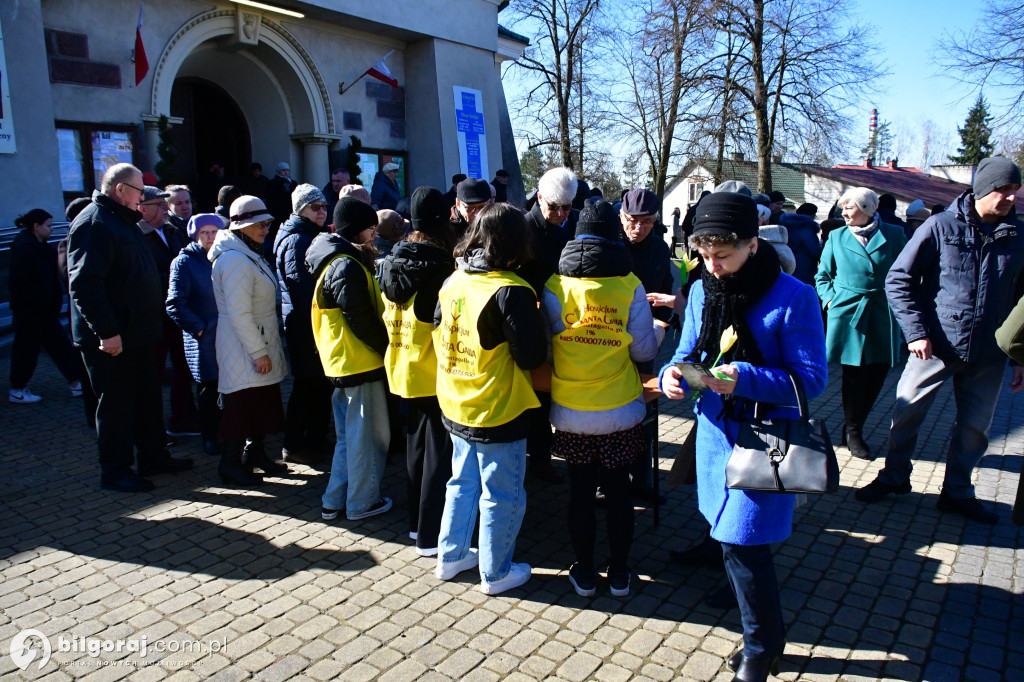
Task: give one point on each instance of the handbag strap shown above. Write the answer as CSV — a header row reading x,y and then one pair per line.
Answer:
x,y
761,409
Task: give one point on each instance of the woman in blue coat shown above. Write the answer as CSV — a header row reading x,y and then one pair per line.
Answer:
x,y
191,305
862,334
778,324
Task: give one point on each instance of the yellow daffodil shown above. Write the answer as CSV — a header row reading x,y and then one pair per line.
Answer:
x,y
686,265
729,337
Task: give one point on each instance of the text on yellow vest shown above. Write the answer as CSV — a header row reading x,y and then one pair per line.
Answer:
x,y
410,360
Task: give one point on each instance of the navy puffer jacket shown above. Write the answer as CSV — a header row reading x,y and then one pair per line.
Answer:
x,y
804,243
192,306
953,283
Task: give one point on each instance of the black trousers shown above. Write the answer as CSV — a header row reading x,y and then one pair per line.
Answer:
x,y
130,410
860,389
428,460
583,482
32,333
209,410
642,469
751,571
183,408
308,413
538,440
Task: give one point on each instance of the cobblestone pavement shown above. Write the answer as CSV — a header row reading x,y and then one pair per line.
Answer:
x,y
268,590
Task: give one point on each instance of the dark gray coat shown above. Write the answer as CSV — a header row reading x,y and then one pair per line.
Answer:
x,y
954,281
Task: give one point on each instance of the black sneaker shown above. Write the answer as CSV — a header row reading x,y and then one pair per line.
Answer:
x,y
330,514
618,583
379,507
584,582
878,489
969,507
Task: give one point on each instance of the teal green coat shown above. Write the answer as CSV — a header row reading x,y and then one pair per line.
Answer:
x,y
861,329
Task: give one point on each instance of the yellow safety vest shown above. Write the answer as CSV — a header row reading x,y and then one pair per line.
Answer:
x,y
410,360
592,368
476,387
342,353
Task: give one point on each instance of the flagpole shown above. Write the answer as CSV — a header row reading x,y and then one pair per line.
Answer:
x,y
342,90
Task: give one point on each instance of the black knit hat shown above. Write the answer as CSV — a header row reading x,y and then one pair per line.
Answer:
x,y
776,195
473,191
75,207
993,173
352,216
725,213
428,208
598,219
807,209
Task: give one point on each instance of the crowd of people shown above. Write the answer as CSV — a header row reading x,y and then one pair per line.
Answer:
x,y
491,338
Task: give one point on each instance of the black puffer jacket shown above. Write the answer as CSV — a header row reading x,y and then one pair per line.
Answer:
x,y
345,287
594,257
652,264
115,284
416,268
296,284
511,316
35,287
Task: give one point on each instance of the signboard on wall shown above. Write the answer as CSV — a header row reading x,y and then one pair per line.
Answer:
x,y
7,145
469,122
110,148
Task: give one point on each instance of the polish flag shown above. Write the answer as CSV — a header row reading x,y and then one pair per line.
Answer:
x,y
141,63
381,73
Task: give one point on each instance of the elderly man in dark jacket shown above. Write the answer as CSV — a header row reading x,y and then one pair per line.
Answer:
x,y
652,263
117,322
950,289
309,406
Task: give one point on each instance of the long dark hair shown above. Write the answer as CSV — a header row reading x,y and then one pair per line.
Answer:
x,y
500,231
36,216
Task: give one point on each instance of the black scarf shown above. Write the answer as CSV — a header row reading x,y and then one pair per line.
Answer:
x,y
726,300
253,245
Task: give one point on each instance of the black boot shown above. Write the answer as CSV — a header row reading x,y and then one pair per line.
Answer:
x,y
858,448
231,469
756,670
255,455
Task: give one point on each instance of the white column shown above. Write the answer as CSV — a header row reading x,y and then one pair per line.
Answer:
x,y
316,168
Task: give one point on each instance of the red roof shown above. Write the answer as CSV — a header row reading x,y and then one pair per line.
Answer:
x,y
903,183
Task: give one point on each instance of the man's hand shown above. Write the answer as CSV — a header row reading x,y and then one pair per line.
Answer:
x,y
263,364
1017,382
722,386
111,346
670,385
922,349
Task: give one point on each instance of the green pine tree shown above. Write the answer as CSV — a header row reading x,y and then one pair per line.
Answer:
x,y
974,136
352,164
879,146
531,166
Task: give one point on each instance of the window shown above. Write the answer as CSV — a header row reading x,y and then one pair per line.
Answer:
x,y
695,189
87,150
372,160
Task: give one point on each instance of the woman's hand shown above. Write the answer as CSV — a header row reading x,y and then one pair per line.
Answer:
x,y
722,386
263,364
663,300
670,385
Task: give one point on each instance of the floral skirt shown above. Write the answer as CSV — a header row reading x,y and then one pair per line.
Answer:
x,y
612,450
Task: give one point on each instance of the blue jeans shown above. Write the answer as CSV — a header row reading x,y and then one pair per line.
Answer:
x,y
751,571
364,433
489,475
976,387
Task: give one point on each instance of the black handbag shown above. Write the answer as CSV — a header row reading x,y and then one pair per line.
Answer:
x,y
784,455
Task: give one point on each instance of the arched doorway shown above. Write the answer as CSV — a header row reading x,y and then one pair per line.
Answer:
x,y
213,131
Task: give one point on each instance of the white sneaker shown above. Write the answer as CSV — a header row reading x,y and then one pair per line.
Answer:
x,y
23,396
518,574
426,551
447,571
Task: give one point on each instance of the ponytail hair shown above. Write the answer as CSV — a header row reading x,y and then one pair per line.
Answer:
x,y
34,217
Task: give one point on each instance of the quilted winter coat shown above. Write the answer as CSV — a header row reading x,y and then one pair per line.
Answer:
x,y
244,287
192,306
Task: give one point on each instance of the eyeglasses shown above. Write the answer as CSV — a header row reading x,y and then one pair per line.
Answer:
x,y
643,220
318,206
137,189
558,207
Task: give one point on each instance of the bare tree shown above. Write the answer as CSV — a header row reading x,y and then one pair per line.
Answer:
x,y
800,66
558,57
936,144
660,68
990,53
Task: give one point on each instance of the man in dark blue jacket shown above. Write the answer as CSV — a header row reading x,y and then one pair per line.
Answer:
x,y
117,321
950,289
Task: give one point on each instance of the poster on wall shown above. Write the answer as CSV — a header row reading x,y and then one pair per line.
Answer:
x,y
7,145
469,122
368,167
110,148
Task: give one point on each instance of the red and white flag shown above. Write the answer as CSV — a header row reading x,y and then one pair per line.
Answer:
x,y
141,63
381,73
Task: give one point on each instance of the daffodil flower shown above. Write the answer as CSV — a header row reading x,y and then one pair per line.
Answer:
x,y
728,340
686,265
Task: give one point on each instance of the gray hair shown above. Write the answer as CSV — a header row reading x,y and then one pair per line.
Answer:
x,y
558,185
117,174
